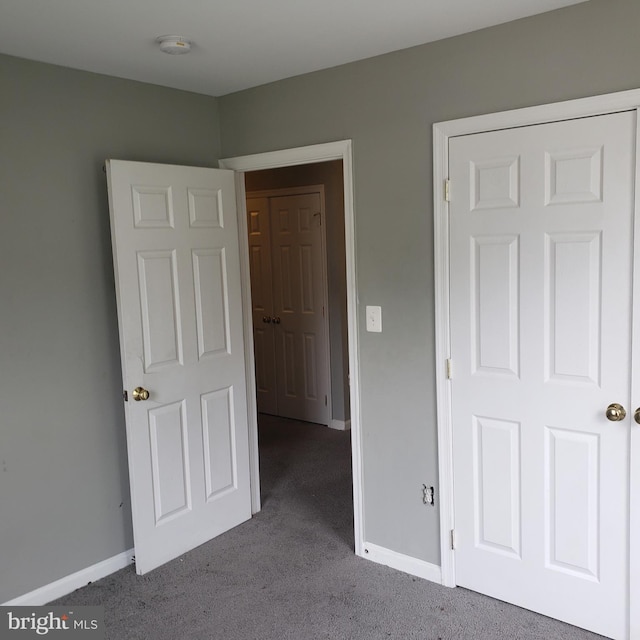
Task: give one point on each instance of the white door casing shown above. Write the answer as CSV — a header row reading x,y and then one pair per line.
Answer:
x,y
444,133
176,260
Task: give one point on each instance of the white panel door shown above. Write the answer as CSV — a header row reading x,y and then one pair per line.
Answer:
x,y
176,260
541,263
299,295
258,223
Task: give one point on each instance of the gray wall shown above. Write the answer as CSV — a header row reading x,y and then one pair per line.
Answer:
x,y
64,500
328,174
387,106
64,495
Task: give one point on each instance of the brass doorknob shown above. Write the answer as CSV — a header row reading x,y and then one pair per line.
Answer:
x,y
615,412
636,415
139,393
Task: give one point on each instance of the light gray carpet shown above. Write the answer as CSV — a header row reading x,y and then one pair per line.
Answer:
x,y
290,572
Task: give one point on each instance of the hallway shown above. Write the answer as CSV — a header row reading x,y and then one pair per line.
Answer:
x,y
305,474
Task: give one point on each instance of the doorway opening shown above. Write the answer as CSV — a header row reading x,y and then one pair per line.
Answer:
x,y
295,222
346,390
295,236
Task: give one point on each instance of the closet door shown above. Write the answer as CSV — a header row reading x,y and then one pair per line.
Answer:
x,y
541,305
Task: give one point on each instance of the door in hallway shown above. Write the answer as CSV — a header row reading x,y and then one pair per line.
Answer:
x,y
541,301
262,303
289,297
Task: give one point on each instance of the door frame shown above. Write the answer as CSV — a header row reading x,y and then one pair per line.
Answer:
x,y
293,191
339,150
442,132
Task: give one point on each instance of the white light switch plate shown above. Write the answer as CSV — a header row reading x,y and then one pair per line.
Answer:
x,y
374,319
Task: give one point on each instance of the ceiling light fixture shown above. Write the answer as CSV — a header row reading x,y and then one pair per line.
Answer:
x,y
174,45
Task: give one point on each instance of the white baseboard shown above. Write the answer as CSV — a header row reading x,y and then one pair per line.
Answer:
x,y
399,561
340,425
70,583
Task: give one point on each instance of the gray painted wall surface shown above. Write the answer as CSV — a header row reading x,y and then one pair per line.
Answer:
x,y
328,174
63,475
64,495
387,106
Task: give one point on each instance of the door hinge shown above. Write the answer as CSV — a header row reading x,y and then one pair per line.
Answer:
x,y
453,539
449,368
325,401
125,395
447,190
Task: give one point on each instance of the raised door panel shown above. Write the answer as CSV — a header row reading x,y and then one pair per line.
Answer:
x,y
170,461
572,496
573,280
495,295
205,208
212,302
218,427
160,309
152,207
497,470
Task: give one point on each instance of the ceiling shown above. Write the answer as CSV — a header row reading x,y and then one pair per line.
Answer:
x,y
237,43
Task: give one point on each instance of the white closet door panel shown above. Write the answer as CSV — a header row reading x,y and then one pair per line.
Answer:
x,y
541,264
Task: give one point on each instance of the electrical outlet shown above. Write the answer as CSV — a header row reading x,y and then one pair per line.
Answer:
x,y
428,495
374,319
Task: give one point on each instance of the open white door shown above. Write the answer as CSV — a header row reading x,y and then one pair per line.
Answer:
x,y
176,260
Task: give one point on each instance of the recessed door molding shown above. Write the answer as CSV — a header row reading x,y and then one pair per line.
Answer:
x,y
442,133
340,150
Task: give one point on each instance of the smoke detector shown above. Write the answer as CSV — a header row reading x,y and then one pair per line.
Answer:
x,y
174,45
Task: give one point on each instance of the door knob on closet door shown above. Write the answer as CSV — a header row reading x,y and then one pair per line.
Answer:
x,y
276,320
615,412
266,319
636,415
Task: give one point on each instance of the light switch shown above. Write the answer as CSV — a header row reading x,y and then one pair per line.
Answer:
x,y
374,319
